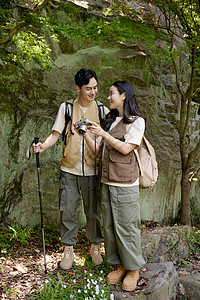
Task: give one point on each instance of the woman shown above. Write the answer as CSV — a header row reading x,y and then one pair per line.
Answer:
x,y
120,134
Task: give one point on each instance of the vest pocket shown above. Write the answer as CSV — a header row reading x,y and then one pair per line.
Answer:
x,y
119,168
117,157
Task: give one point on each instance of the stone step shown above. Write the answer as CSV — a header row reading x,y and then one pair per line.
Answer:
x,y
162,280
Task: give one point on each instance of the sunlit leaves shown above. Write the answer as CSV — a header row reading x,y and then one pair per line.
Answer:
x,y
30,46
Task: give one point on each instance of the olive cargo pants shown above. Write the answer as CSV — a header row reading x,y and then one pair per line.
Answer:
x,y
72,188
121,219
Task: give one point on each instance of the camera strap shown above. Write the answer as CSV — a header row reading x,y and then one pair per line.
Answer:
x,y
95,166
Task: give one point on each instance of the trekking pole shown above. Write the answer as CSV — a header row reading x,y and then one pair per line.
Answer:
x,y
36,140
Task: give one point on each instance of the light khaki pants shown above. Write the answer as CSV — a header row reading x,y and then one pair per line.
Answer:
x,y
72,188
121,218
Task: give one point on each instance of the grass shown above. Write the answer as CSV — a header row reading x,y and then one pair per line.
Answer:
x,y
83,281
88,286
12,235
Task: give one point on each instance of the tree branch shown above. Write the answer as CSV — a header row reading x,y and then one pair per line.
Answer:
x,y
194,173
41,6
193,154
13,32
22,24
177,35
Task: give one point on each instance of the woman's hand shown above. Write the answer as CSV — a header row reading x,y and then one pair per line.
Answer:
x,y
96,129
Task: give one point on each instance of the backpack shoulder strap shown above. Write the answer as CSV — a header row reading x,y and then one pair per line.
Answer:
x,y
68,115
68,110
101,111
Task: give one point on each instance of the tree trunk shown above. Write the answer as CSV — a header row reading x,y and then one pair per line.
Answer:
x,y
185,197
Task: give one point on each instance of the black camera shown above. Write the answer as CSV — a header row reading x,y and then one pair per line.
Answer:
x,y
81,125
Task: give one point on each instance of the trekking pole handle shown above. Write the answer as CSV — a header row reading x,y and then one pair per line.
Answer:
x,y
36,140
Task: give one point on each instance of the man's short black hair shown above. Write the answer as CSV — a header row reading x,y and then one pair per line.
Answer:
x,y
83,76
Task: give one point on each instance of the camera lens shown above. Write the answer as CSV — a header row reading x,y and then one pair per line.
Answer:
x,y
82,129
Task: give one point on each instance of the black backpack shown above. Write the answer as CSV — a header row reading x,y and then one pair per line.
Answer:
x,y
68,117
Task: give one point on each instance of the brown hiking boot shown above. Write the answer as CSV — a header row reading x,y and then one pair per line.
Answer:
x,y
66,262
95,254
116,276
130,281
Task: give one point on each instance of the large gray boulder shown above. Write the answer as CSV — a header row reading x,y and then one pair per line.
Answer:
x,y
189,286
166,244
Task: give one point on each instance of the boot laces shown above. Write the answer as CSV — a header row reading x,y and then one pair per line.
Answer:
x,y
132,273
67,252
119,268
96,250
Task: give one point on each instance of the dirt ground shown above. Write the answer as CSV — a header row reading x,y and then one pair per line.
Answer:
x,y
23,272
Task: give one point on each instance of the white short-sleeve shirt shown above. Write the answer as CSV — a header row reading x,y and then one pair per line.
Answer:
x,y
59,126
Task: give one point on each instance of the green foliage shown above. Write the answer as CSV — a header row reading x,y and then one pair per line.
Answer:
x,y
26,45
30,46
11,235
121,23
194,242
195,212
11,293
52,236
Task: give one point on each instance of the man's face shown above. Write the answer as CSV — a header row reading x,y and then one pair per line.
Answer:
x,y
88,92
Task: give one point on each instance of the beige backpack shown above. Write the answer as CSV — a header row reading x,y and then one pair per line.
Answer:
x,y
146,158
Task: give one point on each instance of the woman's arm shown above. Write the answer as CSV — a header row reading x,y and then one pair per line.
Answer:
x,y
120,146
50,141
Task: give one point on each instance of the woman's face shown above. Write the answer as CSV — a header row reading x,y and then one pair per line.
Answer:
x,y
116,100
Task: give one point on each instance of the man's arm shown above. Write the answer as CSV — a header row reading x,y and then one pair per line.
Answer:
x,y
50,141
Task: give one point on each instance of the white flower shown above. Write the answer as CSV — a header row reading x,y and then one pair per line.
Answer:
x,y
74,281
79,291
100,278
101,271
112,297
64,286
85,291
90,274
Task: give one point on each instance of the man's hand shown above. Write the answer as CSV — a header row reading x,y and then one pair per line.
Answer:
x,y
39,147
76,128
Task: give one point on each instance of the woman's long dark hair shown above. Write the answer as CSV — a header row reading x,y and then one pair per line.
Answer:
x,y
130,107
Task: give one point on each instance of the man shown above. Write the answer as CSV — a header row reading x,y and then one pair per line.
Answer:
x,y
73,184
